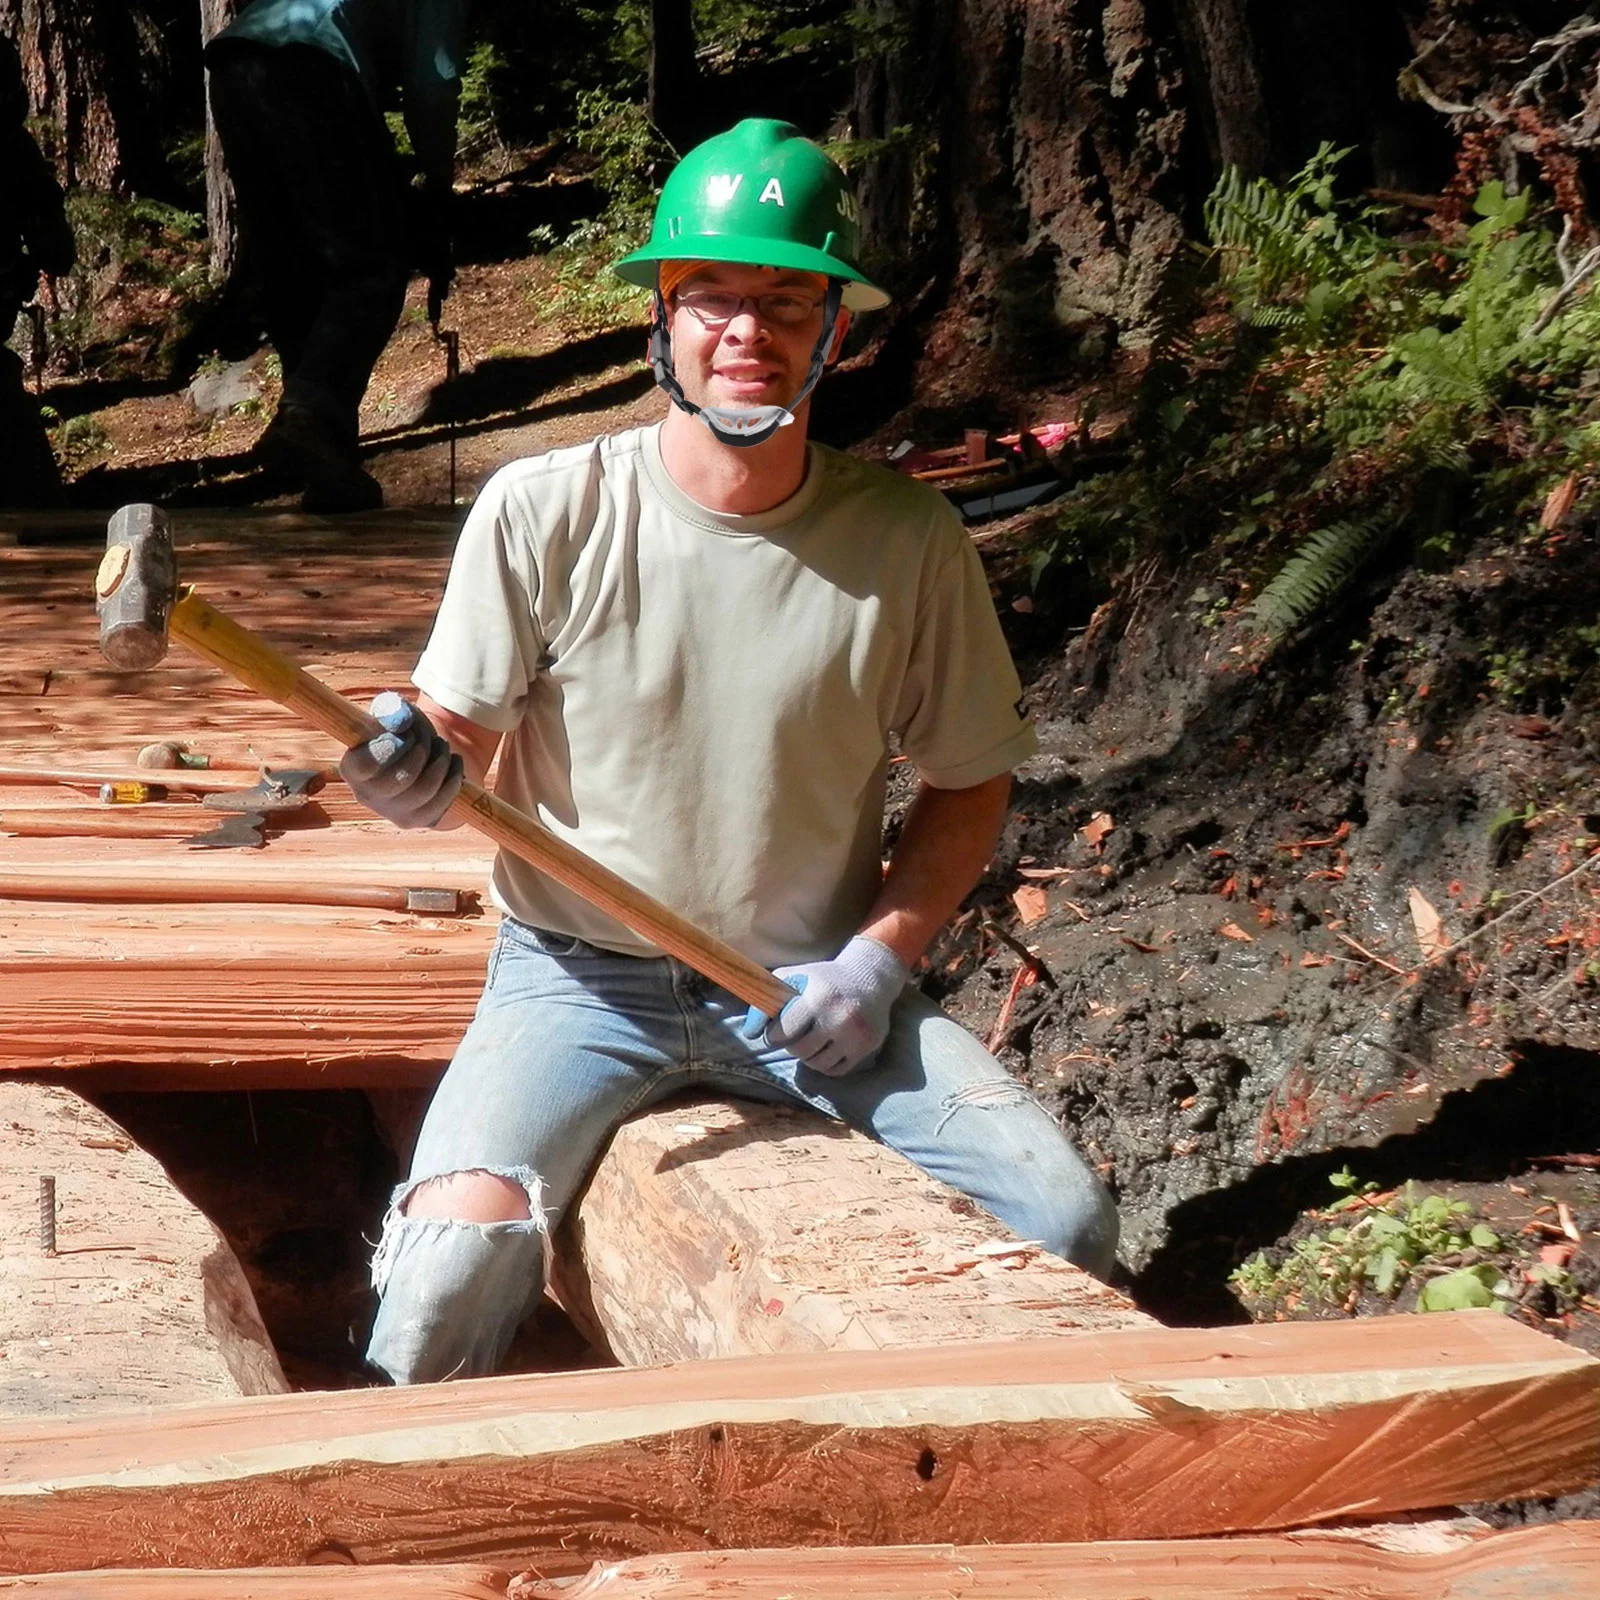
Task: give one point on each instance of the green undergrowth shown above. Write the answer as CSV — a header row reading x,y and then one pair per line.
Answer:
x,y
1331,392
623,149
138,284
1368,1243
742,48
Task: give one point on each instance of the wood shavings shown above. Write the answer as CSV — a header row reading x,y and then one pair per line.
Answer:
x,y
1094,831
1031,902
1432,940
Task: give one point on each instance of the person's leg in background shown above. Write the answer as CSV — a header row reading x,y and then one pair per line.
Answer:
x,y
29,475
321,206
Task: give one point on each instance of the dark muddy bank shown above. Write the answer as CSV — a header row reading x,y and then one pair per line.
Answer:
x,y
1234,1001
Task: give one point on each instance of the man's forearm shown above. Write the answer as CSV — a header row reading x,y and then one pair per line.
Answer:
x,y
948,837
476,745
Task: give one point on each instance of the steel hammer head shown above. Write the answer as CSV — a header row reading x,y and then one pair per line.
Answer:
x,y
135,587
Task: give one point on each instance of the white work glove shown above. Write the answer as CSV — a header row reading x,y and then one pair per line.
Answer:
x,y
840,1015
409,773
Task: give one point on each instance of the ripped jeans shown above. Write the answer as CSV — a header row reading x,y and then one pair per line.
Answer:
x,y
569,1040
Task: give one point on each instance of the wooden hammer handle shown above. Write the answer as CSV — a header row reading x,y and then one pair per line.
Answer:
x,y
101,888
106,822
250,659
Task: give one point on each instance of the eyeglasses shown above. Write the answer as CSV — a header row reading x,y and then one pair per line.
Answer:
x,y
784,308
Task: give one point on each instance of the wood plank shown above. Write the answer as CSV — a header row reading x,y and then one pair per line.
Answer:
x,y
1134,1434
290,1016
718,1230
334,1580
322,996
143,1302
1558,1562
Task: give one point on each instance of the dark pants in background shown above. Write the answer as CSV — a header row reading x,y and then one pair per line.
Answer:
x,y
28,472
322,218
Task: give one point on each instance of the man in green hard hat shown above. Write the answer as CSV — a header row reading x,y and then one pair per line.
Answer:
x,y
692,647
765,200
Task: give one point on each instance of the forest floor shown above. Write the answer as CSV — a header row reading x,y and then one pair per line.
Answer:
x,y
1303,949
527,385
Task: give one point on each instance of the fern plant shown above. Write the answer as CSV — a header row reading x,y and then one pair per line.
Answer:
x,y
1290,261
1397,385
1317,572
1438,379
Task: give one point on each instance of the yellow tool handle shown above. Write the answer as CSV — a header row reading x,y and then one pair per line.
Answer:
x,y
250,659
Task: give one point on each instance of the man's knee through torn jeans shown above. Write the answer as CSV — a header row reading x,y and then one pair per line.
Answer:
x,y
569,1040
480,1278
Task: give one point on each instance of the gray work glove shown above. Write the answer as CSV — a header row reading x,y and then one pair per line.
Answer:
x,y
409,773
841,1013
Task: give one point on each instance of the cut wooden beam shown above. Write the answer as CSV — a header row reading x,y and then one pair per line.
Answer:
x,y
712,1229
143,1300
331,1582
1559,1562
1136,1434
328,1011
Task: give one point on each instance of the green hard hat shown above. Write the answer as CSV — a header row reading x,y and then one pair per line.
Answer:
x,y
764,195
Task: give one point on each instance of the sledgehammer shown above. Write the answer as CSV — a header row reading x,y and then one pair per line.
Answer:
x,y
141,606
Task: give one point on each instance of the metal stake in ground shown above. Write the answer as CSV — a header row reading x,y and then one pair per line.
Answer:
x,y
451,340
47,1215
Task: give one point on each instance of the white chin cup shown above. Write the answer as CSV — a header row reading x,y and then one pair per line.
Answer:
x,y
739,422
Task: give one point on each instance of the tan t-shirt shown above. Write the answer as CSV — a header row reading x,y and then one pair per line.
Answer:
x,y
703,702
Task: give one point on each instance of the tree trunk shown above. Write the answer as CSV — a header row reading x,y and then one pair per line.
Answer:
x,y
106,82
221,228
673,75
68,51
1030,158
1028,168
1232,108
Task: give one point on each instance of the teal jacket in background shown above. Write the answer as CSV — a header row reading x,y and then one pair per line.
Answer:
x,y
414,46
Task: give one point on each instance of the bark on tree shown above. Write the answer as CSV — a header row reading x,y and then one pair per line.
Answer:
x,y
1233,108
673,76
221,229
68,49
1030,154
107,83
1028,168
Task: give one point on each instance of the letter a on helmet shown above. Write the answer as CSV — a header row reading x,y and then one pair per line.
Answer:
x,y
760,195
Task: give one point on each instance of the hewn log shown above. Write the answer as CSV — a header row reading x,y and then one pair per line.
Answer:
x,y
330,1582
142,1302
316,1005
1136,1434
722,1230
1555,1563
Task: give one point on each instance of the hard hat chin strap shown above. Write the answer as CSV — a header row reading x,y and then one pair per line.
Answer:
x,y
742,425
